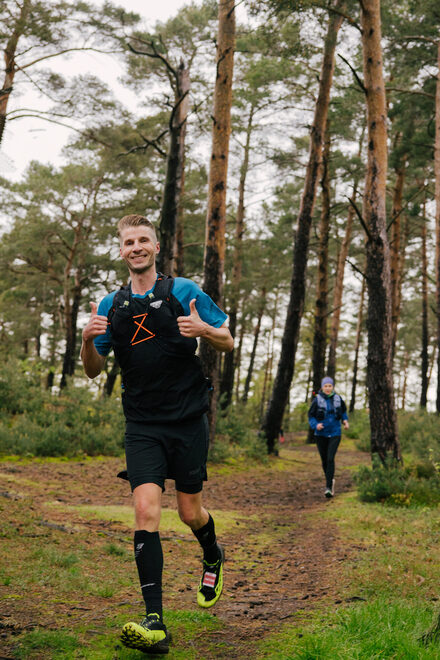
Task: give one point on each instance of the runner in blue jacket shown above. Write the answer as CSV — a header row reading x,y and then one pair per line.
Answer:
x,y
326,413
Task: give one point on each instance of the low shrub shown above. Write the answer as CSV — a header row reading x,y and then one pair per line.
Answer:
x,y
236,437
35,422
419,434
359,430
399,486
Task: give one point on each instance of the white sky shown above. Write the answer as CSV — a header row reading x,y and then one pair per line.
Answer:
x,y
33,139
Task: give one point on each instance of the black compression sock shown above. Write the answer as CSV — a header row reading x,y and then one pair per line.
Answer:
x,y
149,561
207,539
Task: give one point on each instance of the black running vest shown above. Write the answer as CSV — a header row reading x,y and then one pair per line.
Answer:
x,y
161,375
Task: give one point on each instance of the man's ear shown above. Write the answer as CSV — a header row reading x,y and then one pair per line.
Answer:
x,y
157,248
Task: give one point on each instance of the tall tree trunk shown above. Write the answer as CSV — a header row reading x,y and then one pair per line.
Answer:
x,y
10,66
437,219
257,329
70,320
171,203
214,257
383,421
228,370
320,327
339,276
396,256
320,331
286,366
238,351
357,345
424,354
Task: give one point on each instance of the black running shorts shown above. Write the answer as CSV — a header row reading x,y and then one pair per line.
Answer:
x,y
155,452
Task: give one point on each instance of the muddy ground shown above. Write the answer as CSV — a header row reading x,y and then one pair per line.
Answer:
x,y
283,556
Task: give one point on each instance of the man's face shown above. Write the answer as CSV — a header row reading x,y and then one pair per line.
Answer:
x,y
327,388
138,248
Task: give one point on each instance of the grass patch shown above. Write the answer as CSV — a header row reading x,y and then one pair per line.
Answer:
x,y
56,644
377,630
102,642
170,521
400,548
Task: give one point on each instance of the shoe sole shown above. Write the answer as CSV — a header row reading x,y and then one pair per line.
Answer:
x,y
133,637
200,597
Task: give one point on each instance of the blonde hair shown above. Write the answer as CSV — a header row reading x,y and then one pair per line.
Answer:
x,y
135,221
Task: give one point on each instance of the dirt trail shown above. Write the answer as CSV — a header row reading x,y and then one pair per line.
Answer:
x,y
282,556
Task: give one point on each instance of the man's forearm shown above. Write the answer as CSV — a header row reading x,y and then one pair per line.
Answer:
x,y
93,362
219,338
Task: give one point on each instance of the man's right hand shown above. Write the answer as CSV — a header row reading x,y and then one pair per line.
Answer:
x,y
319,426
96,326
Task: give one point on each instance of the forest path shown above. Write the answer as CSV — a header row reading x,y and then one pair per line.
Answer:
x,y
282,555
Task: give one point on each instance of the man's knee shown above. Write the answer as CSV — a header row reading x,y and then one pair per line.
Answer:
x,y
191,511
147,506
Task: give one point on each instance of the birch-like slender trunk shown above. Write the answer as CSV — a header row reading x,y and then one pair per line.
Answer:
x,y
437,218
397,250
339,276
424,366
357,345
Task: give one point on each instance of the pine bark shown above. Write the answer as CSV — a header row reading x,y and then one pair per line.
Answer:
x,y
216,212
383,421
227,384
277,403
171,223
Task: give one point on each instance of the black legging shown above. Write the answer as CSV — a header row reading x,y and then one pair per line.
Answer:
x,y
327,450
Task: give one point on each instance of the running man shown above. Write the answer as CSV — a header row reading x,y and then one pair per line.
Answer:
x,y
152,325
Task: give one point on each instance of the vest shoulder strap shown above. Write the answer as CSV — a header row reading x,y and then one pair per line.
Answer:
x,y
162,290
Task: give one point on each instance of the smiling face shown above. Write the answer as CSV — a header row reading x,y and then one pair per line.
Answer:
x,y
138,248
327,388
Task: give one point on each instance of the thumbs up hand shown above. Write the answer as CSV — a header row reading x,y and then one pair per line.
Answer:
x,y
192,325
97,324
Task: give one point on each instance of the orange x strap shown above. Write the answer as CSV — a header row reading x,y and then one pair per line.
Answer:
x,y
140,325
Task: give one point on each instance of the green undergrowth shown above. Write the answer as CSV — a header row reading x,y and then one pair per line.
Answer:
x,y
376,630
100,642
414,484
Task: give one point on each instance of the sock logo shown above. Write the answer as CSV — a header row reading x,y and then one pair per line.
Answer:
x,y
139,547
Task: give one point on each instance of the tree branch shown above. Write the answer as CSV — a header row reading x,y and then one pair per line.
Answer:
x,y
359,215
63,52
359,81
89,136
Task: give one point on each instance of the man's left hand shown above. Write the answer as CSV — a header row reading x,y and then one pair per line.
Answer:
x,y
192,325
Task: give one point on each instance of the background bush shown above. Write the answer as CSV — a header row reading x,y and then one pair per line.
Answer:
x,y
35,422
417,484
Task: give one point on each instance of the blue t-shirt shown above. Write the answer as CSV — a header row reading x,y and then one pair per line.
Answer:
x,y
184,290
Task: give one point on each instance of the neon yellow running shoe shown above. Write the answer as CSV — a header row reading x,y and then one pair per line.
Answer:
x,y
149,636
211,584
